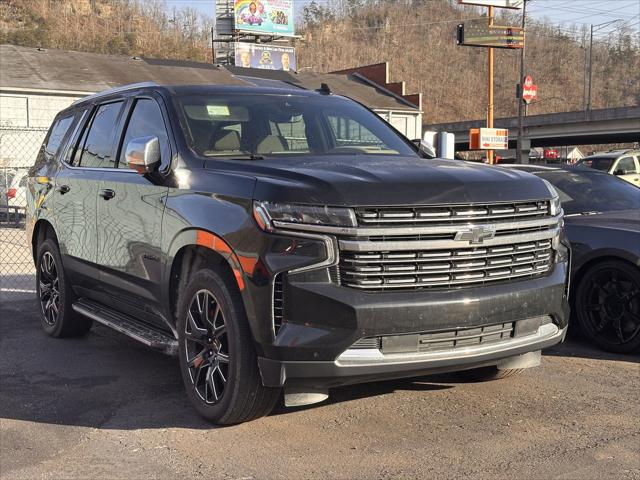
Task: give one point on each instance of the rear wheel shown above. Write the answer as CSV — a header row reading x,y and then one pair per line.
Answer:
x,y
217,358
607,306
55,296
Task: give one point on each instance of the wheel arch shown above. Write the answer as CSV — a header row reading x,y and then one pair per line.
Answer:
x,y
190,250
42,230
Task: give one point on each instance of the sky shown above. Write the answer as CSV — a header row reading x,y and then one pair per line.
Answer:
x,y
563,12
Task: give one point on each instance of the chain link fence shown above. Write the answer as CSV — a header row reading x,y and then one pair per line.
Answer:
x,y
18,150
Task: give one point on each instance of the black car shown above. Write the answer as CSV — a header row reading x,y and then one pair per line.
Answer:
x,y
602,218
288,239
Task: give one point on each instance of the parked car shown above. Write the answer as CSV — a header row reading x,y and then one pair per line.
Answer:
x,y
621,163
602,217
6,177
288,239
17,192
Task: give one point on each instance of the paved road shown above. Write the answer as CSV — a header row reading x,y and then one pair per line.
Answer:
x,y
105,407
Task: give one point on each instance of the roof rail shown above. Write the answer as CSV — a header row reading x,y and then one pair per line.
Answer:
x,y
122,88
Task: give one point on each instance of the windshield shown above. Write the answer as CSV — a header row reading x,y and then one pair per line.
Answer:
x,y
598,163
582,192
252,126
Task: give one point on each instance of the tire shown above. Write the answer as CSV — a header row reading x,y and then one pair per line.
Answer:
x,y
55,296
487,374
217,358
607,306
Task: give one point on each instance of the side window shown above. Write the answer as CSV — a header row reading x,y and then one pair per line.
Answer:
x,y
96,147
293,132
350,132
145,121
626,166
58,131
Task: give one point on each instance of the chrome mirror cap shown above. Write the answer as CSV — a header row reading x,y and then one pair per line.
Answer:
x,y
143,154
425,148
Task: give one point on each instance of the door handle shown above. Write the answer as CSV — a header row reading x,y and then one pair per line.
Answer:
x,y
63,189
107,193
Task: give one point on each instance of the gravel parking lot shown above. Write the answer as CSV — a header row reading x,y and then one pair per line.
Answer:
x,y
105,407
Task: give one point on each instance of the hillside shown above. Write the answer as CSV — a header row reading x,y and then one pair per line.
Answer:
x,y
417,37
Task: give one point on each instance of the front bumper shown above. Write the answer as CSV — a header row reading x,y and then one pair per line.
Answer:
x,y
323,321
360,366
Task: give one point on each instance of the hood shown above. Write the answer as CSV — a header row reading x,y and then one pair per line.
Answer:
x,y
626,220
376,181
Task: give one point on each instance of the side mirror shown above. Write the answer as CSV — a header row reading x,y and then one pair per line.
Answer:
x,y
425,148
143,154
619,171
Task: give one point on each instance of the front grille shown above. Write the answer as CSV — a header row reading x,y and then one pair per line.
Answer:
x,y
379,270
438,341
451,215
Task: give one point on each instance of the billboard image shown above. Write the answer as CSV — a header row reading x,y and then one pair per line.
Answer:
x,y
266,57
269,17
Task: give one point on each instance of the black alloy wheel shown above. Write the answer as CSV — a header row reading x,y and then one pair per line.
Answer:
x,y
608,306
207,347
48,289
56,296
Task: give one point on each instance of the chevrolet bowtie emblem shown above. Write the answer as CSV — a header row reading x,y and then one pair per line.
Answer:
x,y
476,234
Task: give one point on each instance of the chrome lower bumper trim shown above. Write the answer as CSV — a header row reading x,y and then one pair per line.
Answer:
x,y
372,357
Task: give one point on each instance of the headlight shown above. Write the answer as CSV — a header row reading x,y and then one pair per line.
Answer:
x,y
555,206
265,213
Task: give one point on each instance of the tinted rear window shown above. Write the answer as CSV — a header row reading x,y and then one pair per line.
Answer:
x,y
598,163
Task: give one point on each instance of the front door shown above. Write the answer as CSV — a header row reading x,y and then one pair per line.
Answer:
x,y
627,169
129,212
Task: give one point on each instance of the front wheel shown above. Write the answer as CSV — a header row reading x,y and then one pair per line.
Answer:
x,y
217,358
607,306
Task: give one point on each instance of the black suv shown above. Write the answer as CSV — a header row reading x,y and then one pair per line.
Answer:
x,y
288,239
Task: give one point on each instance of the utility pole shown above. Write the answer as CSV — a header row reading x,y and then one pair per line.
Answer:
x,y
590,68
490,90
595,28
520,99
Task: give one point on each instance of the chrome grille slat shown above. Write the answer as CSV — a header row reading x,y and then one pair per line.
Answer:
x,y
453,214
379,286
357,258
386,273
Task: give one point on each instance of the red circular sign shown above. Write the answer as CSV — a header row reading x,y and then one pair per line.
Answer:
x,y
529,90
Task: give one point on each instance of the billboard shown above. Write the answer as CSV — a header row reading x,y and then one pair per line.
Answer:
x,y
481,34
266,57
268,17
517,4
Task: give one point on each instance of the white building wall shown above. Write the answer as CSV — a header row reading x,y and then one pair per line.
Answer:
x,y
24,121
409,124
31,109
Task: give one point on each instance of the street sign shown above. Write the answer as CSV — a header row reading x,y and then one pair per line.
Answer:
x,y
481,34
488,139
529,90
516,4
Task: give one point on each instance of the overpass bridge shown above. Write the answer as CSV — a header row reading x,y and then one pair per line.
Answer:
x,y
607,125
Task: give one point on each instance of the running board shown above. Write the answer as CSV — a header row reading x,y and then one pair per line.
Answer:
x,y
146,334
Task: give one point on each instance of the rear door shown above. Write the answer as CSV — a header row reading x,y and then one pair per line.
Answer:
x,y
75,195
129,211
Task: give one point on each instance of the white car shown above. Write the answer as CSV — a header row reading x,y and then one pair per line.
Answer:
x,y
17,192
621,163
